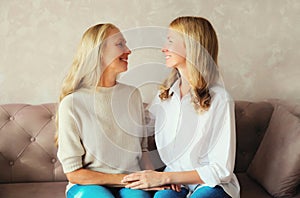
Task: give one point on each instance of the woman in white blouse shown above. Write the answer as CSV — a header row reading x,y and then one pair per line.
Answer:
x,y
194,119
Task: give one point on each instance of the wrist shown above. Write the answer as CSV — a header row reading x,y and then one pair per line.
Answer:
x,y
166,178
116,179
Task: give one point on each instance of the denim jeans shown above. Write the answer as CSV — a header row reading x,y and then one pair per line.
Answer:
x,y
97,191
203,192
208,192
171,193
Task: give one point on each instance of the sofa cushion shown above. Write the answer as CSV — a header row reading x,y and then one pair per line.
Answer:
x,y
250,188
292,107
252,120
33,190
276,164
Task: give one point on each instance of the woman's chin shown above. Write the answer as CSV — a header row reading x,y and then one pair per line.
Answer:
x,y
170,65
123,69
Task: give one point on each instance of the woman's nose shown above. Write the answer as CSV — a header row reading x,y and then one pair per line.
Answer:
x,y
164,48
127,50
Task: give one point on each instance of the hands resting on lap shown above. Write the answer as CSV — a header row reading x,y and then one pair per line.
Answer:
x,y
149,180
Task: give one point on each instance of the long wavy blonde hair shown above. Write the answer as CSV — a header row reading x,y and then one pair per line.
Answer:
x,y
201,46
85,70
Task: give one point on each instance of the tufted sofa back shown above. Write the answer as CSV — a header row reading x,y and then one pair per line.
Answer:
x,y
28,154
27,151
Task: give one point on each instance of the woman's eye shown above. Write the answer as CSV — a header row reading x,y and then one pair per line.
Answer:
x,y
120,44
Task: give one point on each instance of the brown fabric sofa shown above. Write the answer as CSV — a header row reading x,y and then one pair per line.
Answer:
x,y
29,166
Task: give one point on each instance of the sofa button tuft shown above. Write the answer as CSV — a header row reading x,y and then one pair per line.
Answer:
x,y
32,139
53,160
11,118
52,117
11,163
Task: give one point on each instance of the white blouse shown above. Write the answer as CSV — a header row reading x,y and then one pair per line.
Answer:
x,y
187,140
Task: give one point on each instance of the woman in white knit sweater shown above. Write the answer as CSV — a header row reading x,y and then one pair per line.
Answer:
x,y
100,121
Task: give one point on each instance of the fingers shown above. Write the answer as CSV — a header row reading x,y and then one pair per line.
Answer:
x,y
178,188
142,180
157,188
173,187
136,185
131,178
135,176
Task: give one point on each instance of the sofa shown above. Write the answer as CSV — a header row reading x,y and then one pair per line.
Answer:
x,y
29,166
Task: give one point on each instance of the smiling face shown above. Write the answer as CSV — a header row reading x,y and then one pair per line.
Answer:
x,y
115,53
174,50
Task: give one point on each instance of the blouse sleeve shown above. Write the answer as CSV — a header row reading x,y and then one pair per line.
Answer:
x,y
221,156
70,149
152,107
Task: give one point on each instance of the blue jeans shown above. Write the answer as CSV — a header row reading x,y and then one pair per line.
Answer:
x,y
171,193
97,191
204,192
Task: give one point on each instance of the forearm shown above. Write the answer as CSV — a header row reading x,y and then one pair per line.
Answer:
x,y
185,177
85,176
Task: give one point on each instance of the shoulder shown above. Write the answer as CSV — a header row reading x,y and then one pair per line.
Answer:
x,y
67,101
128,90
73,99
220,96
122,86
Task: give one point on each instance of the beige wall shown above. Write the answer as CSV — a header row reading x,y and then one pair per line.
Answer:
x,y
259,42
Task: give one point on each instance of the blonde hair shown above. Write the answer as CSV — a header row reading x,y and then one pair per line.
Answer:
x,y
201,45
85,70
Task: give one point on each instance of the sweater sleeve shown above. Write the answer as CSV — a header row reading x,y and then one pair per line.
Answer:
x,y
138,104
70,149
221,156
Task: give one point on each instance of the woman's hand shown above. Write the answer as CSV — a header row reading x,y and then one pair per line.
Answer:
x,y
145,179
175,187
